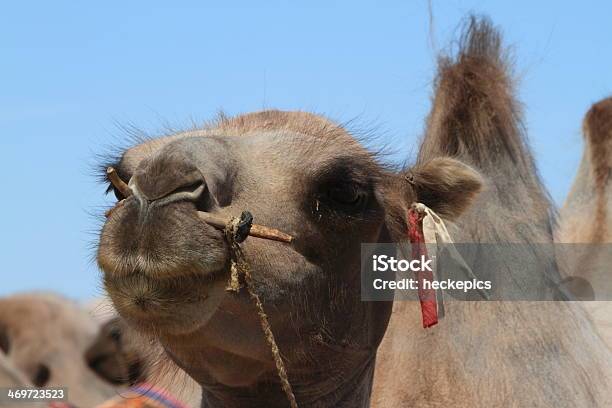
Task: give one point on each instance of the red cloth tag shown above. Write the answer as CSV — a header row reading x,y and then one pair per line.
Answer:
x,y
427,297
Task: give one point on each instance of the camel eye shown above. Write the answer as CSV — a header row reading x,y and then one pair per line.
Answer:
x,y
346,196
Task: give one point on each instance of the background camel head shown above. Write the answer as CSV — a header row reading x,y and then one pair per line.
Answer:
x,y
166,270
49,341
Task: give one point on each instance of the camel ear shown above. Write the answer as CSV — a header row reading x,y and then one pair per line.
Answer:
x,y
445,185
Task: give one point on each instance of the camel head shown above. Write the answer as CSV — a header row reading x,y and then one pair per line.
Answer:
x,y
166,270
50,341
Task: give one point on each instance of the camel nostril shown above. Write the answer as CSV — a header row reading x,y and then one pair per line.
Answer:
x,y
188,192
191,188
42,376
205,202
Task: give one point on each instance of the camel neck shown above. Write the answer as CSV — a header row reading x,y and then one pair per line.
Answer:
x,y
339,383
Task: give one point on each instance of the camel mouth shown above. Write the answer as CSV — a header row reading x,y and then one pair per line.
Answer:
x,y
173,305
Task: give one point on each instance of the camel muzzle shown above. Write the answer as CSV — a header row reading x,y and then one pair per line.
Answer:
x,y
236,230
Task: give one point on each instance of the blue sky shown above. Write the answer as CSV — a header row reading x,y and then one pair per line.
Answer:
x,y
72,71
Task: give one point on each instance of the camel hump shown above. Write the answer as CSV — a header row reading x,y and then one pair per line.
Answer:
x,y
597,129
475,115
598,122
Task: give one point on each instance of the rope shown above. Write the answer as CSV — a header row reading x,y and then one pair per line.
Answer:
x,y
236,231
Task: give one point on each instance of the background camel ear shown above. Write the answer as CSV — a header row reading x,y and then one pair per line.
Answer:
x,y
446,185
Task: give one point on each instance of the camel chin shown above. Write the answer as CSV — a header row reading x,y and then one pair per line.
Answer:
x,y
142,303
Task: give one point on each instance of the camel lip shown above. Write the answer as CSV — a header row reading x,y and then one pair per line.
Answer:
x,y
168,305
145,293
166,282
196,274
134,268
